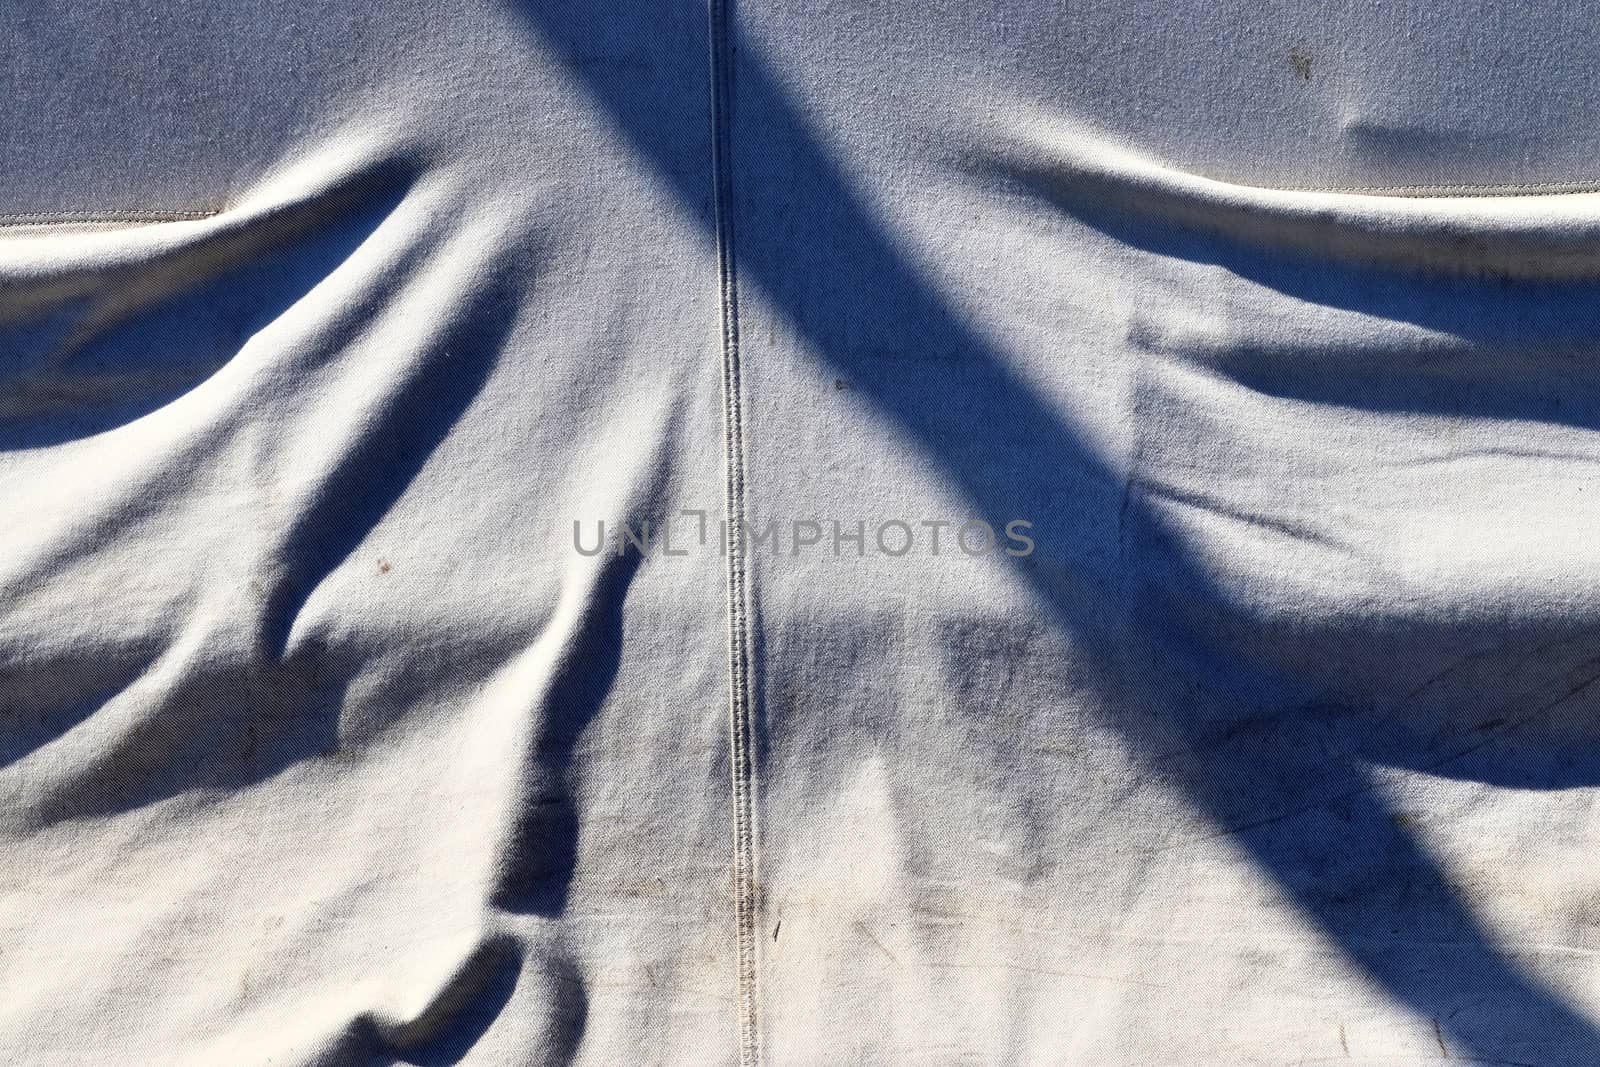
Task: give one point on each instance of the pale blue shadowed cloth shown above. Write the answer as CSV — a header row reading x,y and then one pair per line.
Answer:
x,y
493,565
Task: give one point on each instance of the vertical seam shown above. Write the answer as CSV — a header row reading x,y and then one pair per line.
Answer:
x,y
741,719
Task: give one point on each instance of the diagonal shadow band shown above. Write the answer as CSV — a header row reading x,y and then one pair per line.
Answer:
x,y
820,254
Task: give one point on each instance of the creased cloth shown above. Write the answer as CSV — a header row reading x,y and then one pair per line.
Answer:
x,y
785,533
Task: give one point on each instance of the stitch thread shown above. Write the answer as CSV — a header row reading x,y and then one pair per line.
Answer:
x,y
1424,191
741,713
28,218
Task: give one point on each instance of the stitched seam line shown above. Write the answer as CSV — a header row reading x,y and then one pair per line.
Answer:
x,y
741,718
1441,190
25,218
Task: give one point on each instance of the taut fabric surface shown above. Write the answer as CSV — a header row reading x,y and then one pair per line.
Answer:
x,y
799,533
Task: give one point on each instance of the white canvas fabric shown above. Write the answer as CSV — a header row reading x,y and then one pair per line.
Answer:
x,y
775,533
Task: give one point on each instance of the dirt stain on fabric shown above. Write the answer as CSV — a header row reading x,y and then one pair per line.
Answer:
x,y
881,946
1300,60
